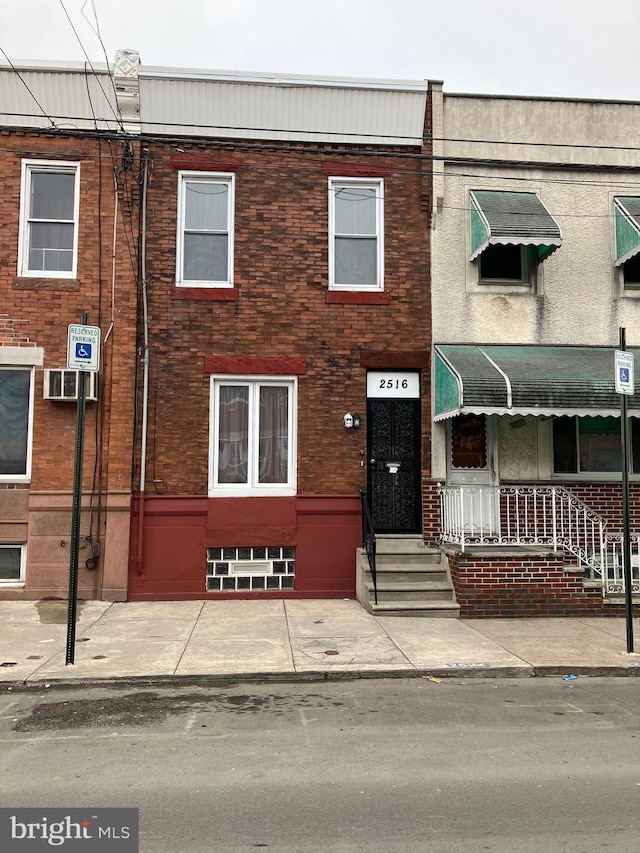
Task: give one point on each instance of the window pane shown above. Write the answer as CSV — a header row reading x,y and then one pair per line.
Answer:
x,y
599,444
355,210
274,435
14,420
233,434
52,195
206,206
631,270
564,446
356,261
206,257
469,441
10,564
501,262
51,236
635,445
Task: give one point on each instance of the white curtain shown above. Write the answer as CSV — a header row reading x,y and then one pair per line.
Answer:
x,y
274,434
233,434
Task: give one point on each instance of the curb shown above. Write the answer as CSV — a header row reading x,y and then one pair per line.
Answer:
x,y
314,676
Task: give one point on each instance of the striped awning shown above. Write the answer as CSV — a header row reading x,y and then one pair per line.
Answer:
x,y
511,218
526,380
626,211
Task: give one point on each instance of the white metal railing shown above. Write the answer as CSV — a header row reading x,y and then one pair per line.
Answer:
x,y
545,516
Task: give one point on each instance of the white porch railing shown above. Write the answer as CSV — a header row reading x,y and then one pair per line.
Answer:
x,y
544,516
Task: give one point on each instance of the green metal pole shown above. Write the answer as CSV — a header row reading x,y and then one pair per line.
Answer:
x,y
76,513
626,531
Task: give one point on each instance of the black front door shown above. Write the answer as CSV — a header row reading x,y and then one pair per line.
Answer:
x,y
393,483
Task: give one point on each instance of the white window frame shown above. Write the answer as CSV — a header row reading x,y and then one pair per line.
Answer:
x,y
595,476
26,477
527,270
377,184
19,582
205,178
56,167
252,487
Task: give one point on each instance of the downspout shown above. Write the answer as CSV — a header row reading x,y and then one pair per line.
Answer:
x,y
145,366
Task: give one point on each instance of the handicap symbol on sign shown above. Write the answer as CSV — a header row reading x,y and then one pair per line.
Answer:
x,y
83,351
624,374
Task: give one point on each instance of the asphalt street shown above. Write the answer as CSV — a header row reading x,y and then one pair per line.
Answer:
x,y
414,764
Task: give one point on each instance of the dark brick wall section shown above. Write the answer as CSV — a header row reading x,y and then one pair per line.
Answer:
x,y
281,310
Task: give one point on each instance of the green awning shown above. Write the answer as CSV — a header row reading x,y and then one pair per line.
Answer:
x,y
507,379
626,211
508,218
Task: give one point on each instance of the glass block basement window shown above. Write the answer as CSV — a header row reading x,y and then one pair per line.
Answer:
x,y
239,569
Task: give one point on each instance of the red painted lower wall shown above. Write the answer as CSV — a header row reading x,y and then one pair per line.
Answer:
x,y
177,530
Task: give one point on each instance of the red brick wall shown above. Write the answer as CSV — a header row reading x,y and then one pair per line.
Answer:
x,y
281,276
520,586
35,313
504,584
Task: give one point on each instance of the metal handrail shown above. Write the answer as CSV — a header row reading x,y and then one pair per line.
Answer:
x,y
369,540
531,515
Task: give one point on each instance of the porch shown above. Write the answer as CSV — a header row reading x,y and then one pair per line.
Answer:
x,y
511,529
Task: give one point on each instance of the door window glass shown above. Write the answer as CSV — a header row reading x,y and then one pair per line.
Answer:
x,y
469,441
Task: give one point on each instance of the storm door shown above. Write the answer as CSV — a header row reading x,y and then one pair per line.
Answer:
x,y
471,470
393,451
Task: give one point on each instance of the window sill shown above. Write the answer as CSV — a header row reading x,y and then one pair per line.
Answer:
x,y
206,294
357,297
28,283
11,585
593,477
284,492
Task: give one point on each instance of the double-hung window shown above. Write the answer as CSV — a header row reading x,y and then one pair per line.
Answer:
x,y
253,436
49,219
356,238
16,417
205,230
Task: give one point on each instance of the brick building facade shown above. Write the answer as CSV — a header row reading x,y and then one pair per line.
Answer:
x,y
67,246
284,318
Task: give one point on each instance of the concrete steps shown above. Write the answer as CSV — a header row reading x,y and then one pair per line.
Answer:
x,y
412,580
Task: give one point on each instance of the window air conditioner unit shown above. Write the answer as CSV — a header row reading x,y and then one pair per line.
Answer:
x,y
63,385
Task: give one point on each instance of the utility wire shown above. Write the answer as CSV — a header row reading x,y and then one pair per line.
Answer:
x,y
96,30
24,83
79,40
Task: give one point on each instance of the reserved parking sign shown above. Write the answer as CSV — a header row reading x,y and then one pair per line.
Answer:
x,y
624,372
83,348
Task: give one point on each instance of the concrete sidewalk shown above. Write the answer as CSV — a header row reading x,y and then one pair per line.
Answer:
x,y
209,641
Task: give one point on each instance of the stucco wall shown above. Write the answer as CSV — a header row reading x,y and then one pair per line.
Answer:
x,y
578,298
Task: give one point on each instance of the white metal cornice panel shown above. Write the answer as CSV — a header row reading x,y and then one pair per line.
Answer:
x,y
245,109
70,97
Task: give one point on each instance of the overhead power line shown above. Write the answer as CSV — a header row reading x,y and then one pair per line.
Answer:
x,y
118,117
24,83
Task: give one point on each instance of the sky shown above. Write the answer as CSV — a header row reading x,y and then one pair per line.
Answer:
x,y
564,48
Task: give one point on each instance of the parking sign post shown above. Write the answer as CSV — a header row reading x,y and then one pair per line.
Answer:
x,y
624,383
83,355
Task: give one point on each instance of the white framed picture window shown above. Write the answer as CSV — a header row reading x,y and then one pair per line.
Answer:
x,y
13,561
252,436
16,423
